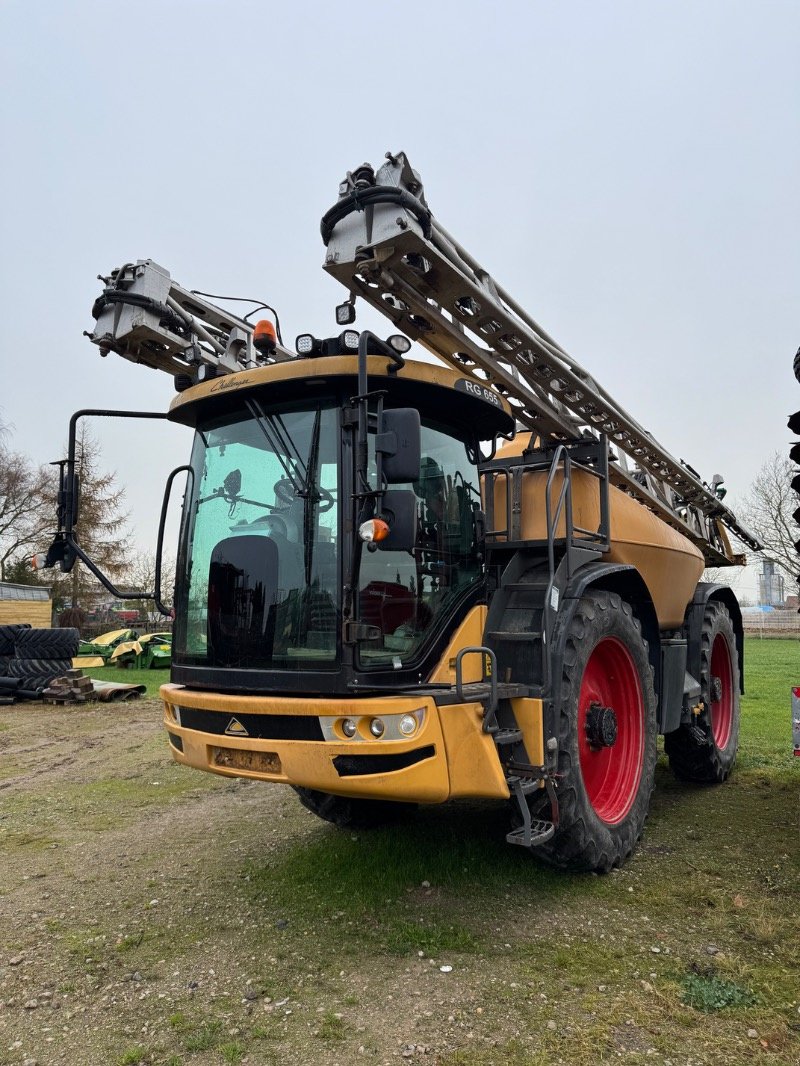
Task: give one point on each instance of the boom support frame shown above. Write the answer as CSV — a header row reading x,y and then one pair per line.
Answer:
x,y
385,246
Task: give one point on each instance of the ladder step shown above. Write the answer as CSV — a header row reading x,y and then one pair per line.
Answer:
x,y
506,690
508,736
540,833
513,634
526,784
509,690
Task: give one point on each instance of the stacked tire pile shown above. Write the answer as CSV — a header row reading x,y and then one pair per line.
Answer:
x,y
31,658
7,637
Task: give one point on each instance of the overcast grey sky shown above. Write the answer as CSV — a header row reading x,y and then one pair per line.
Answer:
x,y
627,170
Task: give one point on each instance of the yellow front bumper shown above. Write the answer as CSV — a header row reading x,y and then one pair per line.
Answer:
x,y
448,756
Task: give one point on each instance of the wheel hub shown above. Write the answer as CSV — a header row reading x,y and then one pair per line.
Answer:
x,y
716,689
601,726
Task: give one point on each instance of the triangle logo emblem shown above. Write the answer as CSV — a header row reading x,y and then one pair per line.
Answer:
x,y
235,728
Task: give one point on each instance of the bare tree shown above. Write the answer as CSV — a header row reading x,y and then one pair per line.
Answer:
x,y
26,506
768,511
142,575
28,518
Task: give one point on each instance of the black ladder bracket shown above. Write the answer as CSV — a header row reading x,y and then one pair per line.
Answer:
x,y
499,721
532,832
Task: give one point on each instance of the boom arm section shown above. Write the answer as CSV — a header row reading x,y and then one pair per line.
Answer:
x,y
385,246
146,317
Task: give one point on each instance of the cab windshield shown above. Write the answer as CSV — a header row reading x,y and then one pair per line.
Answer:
x,y
259,586
409,595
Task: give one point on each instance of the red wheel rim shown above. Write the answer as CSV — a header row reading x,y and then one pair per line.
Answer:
x,y
722,708
612,774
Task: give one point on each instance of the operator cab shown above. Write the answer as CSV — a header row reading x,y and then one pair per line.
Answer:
x,y
278,588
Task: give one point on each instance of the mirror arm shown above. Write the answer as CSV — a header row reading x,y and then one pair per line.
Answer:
x,y
65,548
68,490
101,577
160,542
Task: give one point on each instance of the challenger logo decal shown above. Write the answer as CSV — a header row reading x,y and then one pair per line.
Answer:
x,y
232,382
235,728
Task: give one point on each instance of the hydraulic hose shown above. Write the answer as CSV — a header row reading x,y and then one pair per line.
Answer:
x,y
359,199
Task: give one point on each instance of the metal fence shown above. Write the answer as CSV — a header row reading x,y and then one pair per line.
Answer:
x,y
777,623
756,624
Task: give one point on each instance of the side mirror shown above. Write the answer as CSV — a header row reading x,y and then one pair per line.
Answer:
x,y
69,499
399,442
399,510
232,485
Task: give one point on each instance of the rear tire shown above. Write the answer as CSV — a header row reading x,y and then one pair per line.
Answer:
x,y
348,813
47,643
705,751
606,763
38,667
8,636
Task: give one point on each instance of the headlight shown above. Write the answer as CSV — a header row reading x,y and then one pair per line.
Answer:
x,y
376,727
407,725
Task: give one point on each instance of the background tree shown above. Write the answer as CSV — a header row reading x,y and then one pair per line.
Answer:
x,y
767,511
26,506
142,575
102,527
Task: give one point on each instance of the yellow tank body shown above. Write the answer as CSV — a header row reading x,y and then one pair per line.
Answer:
x,y
669,564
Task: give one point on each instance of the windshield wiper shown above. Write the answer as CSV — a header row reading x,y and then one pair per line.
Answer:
x,y
275,443
310,496
289,446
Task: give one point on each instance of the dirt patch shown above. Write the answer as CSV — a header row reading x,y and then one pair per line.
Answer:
x,y
152,914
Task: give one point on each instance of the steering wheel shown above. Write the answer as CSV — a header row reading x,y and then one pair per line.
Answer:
x,y
285,496
326,500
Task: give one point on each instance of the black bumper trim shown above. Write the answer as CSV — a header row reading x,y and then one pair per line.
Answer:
x,y
255,726
358,765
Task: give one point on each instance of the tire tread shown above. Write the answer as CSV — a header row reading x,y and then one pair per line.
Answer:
x,y
579,844
690,760
347,812
60,643
38,667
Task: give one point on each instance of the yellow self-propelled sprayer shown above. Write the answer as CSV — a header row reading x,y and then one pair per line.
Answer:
x,y
401,582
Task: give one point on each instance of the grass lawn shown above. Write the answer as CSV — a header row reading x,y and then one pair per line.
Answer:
x,y
688,956
772,668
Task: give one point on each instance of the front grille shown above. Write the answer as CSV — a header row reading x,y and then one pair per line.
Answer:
x,y
257,726
357,765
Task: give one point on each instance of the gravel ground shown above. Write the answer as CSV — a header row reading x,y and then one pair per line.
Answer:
x,y
127,936
152,914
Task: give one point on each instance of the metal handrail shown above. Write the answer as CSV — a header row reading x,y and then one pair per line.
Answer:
x,y
561,456
564,496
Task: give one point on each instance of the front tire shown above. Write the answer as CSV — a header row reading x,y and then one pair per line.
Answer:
x,y
348,813
705,751
606,738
